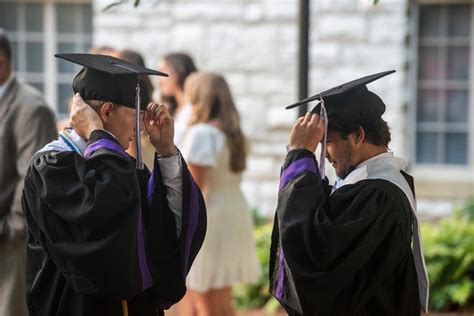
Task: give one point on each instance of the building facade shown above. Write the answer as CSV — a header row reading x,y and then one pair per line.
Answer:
x,y
253,43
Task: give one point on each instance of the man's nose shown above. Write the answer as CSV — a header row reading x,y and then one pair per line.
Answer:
x,y
328,156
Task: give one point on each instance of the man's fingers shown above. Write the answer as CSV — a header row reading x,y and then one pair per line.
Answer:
x,y
306,118
315,119
155,110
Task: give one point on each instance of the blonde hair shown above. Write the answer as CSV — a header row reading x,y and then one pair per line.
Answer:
x,y
212,100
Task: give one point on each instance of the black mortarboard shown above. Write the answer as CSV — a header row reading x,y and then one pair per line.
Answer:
x,y
106,78
349,102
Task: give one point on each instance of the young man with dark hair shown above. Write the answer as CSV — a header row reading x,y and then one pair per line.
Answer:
x,y
105,235
26,125
346,249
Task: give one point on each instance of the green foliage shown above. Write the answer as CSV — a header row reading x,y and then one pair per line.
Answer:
x,y
256,295
449,255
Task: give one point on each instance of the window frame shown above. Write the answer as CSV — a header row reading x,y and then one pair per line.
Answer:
x,y
434,171
51,77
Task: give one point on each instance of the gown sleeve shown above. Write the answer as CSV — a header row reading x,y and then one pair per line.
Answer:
x,y
322,243
87,210
171,260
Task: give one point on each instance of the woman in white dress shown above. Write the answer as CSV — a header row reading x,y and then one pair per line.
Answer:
x,y
215,150
178,66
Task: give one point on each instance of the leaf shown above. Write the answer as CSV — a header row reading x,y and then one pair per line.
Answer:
x,y
113,4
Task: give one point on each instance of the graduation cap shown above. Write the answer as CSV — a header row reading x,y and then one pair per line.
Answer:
x,y
106,78
346,103
349,102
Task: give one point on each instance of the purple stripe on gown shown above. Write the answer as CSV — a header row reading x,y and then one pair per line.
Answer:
x,y
145,271
104,143
192,221
281,275
295,169
151,186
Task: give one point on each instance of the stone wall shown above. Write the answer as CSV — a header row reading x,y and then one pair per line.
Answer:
x,y
253,43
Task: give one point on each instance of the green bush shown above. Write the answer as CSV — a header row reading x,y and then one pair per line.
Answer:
x,y
256,295
449,254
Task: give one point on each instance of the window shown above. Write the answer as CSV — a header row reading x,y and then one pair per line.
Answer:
x,y
444,84
37,31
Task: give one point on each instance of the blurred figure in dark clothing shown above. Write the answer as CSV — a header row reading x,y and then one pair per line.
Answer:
x,y
26,125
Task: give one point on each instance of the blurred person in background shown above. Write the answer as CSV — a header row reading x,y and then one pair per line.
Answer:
x,y
216,150
179,66
26,125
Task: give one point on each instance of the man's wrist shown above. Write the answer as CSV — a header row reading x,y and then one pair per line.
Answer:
x,y
166,152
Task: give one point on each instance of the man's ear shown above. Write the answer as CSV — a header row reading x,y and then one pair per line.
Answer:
x,y
359,136
104,111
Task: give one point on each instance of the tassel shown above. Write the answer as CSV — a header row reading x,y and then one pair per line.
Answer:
x,y
138,141
322,158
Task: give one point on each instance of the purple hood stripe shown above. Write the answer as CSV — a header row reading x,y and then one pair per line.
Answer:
x,y
147,281
281,275
151,186
192,221
104,143
296,168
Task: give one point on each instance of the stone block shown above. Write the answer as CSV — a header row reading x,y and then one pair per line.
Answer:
x,y
388,29
325,53
278,117
207,11
267,82
253,13
341,27
334,5
186,37
238,82
280,11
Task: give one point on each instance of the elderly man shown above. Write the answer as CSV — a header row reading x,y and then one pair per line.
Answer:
x,y
107,237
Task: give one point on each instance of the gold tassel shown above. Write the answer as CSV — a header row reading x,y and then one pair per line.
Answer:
x,y
125,308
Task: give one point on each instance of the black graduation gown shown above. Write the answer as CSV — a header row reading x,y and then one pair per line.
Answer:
x,y
100,231
348,253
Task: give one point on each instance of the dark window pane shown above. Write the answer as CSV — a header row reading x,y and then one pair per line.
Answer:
x,y
38,86
459,20
65,14
456,148
429,63
8,16
34,56
426,147
430,21
34,17
458,63
63,65
456,106
427,107
87,19
65,94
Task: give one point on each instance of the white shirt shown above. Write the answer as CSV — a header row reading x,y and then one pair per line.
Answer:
x,y
181,124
